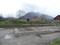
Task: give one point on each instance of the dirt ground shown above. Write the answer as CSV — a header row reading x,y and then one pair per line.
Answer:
x,y
7,36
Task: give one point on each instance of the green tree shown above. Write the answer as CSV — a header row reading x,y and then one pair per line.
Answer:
x,y
1,17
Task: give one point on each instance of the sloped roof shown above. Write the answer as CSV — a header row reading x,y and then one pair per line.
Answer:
x,y
57,17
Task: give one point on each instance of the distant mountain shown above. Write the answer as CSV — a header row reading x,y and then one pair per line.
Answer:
x,y
32,14
47,16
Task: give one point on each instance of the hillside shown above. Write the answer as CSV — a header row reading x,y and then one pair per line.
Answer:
x,y
40,15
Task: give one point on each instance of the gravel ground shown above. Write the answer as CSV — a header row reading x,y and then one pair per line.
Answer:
x,y
28,39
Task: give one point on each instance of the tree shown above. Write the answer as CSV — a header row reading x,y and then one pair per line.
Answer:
x,y
20,13
1,17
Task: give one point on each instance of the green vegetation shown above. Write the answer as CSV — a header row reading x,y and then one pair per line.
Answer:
x,y
55,42
26,23
54,23
4,23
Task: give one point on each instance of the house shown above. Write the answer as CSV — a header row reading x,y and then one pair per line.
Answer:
x,y
57,19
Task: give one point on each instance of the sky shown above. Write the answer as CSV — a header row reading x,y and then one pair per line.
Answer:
x,y
49,7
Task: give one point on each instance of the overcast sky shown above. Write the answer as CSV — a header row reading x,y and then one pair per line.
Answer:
x,y
50,7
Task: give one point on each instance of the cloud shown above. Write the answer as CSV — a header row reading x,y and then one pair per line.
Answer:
x,y
29,7
50,7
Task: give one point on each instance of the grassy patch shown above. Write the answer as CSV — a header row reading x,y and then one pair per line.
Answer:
x,y
55,42
4,23
26,23
54,23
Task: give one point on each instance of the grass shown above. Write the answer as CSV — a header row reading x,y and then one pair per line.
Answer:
x,y
54,23
35,23
18,24
55,42
3,23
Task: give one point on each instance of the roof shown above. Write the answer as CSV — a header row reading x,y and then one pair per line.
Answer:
x,y
57,17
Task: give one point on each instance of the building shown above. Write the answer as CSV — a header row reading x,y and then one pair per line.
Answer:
x,y
57,18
